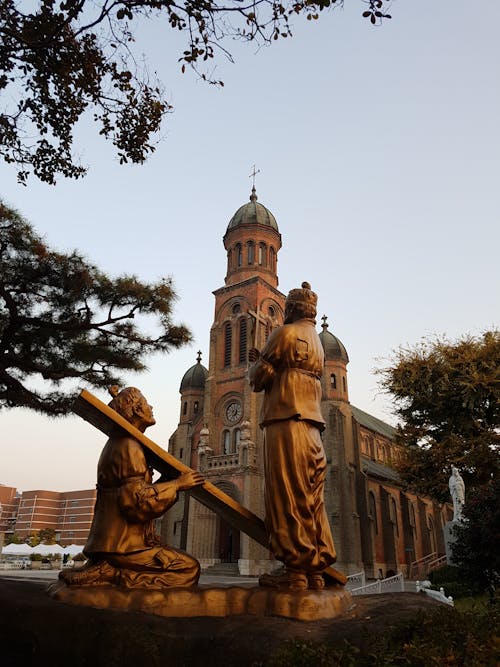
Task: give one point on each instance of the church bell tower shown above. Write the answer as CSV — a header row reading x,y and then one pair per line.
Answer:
x,y
247,308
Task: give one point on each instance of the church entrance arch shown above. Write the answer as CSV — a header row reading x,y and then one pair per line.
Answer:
x,y
227,537
229,543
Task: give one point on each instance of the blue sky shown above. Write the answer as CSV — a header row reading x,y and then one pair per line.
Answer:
x,y
379,155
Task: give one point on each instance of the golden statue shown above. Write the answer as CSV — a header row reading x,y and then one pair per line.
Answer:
x,y
123,547
289,369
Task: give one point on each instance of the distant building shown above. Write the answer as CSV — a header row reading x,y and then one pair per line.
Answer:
x,y
68,513
376,525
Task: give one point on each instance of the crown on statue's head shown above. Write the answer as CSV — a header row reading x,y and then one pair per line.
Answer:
x,y
303,295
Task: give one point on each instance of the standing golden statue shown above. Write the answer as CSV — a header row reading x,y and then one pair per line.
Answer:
x,y
289,369
123,547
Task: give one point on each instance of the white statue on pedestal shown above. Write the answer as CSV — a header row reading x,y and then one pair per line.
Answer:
x,y
457,490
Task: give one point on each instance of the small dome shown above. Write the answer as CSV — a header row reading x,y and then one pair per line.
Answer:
x,y
253,213
194,377
333,347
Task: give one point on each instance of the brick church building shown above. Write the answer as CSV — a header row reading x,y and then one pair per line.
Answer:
x,y
377,526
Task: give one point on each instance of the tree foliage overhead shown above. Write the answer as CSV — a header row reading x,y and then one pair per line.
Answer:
x,y
447,395
59,58
61,318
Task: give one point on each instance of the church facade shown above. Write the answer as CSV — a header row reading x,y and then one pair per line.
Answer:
x,y
377,526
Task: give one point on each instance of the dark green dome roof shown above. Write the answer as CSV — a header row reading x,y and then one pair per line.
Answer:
x,y
333,347
194,377
253,213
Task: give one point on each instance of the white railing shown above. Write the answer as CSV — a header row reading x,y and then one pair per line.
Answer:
x,y
419,567
440,596
436,564
355,580
13,565
393,584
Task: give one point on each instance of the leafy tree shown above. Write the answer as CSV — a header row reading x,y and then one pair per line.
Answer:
x,y
447,395
67,56
61,318
33,539
477,546
47,535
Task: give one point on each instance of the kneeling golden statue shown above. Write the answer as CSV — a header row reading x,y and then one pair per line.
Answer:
x,y
123,548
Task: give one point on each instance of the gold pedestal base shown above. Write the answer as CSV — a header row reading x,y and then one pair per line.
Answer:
x,y
206,601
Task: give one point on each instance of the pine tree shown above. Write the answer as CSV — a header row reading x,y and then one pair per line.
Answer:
x,y
62,318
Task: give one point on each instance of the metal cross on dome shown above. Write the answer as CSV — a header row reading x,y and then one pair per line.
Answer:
x,y
253,175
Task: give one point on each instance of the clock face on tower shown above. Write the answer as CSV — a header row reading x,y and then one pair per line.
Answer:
x,y
233,412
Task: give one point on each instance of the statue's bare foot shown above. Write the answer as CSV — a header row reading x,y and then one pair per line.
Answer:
x,y
286,579
92,574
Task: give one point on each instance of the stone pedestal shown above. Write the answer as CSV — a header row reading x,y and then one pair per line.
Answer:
x,y
449,540
208,601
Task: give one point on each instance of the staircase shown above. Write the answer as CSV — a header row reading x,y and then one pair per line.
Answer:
x,y
420,568
223,570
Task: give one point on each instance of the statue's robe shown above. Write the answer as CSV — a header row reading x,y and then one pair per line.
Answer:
x,y
122,532
289,371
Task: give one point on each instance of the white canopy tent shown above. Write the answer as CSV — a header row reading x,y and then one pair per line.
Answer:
x,y
73,549
17,550
46,549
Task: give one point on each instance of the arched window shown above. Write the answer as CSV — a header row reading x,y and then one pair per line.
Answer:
x,y
262,259
271,311
371,447
237,438
229,259
236,309
239,255
333,381
196,407
226,442
251,252
432,534
243,340
372,508
413,521
228,335
344,384
272,259
185,408
393,513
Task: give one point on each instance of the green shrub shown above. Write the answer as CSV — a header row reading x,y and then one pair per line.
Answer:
x,y
457,589
454,582
445,574
443,636
300,653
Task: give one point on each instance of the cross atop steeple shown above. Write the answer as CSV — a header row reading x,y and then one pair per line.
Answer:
x,y
253,175
198,358
324,326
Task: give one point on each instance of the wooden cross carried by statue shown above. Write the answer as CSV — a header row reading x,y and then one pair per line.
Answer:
x,y
239,517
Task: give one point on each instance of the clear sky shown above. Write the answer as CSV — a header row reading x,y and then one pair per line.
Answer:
x,y
379,155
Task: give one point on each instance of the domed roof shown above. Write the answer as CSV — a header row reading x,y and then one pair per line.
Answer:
x,y
333,347
194,377
253,213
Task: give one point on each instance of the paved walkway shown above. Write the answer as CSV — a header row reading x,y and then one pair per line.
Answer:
x,y
51,575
